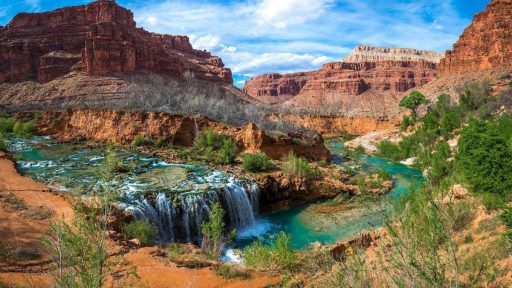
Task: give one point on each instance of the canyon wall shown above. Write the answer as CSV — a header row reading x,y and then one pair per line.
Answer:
x,y
369,86
485,45
122,127
99,38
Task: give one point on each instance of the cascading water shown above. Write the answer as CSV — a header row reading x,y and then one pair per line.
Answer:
x,y
181,220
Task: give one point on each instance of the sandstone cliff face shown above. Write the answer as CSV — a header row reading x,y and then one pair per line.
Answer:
x,y
485,44
100,38
369,86
364,53
276,88
122,127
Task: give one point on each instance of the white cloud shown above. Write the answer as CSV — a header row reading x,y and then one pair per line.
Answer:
x,y
253,64
211,43
152,20
259,36
35,5
283,13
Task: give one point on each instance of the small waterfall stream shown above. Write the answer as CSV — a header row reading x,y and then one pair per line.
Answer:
x,y
180,219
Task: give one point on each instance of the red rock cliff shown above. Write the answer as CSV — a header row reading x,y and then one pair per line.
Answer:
x,y
99,38
485,44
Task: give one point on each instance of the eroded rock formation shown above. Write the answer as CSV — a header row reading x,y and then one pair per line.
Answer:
x,y
368,86
486,44
99,38
122,127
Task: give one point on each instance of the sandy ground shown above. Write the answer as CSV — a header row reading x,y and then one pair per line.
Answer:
x,y
18,232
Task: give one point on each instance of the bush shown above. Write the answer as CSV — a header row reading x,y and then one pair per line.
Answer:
x,y
139,141
227,152
406,122
389,150
297,166
210,138
7,125
215,147
485,158
213,231
142,230
23,129
461,214
231,272
3,143
276,255
256,162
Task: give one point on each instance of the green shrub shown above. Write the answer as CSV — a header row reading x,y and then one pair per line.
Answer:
x,y
468,239
7,125
256,162
461,214
389,150
23,129
231,272
227,152
215,147
276,255
210,138
142,230
406,123
213,231
506,217
485,158
510,84
3,143
297,166
139,141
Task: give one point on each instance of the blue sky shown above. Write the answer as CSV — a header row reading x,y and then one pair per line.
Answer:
x,y
259,36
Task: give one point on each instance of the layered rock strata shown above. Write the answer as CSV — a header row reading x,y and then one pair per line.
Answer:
x,y
485,45
99,38
371,82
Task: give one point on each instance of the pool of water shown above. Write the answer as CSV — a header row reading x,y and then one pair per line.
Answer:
x,y
307,226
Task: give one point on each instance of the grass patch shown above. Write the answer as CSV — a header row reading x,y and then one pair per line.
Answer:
x,y
298,166
231,272
276,255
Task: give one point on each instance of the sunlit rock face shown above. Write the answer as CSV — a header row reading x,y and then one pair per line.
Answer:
x,y
367,83
99,38
486,44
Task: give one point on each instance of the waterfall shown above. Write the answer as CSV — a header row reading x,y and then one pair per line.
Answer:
x,y
181,220
239,207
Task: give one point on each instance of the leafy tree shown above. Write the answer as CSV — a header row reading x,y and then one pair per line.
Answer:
x,y
213,231
485,158
413,101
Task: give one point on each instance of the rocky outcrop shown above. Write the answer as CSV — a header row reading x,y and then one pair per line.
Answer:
x,y
276,88
486,44
370,86
280,191
99,38
364,53
122,127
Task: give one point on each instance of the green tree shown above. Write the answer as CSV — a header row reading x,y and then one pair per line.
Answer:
x,y
213,231
485,158
413,101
